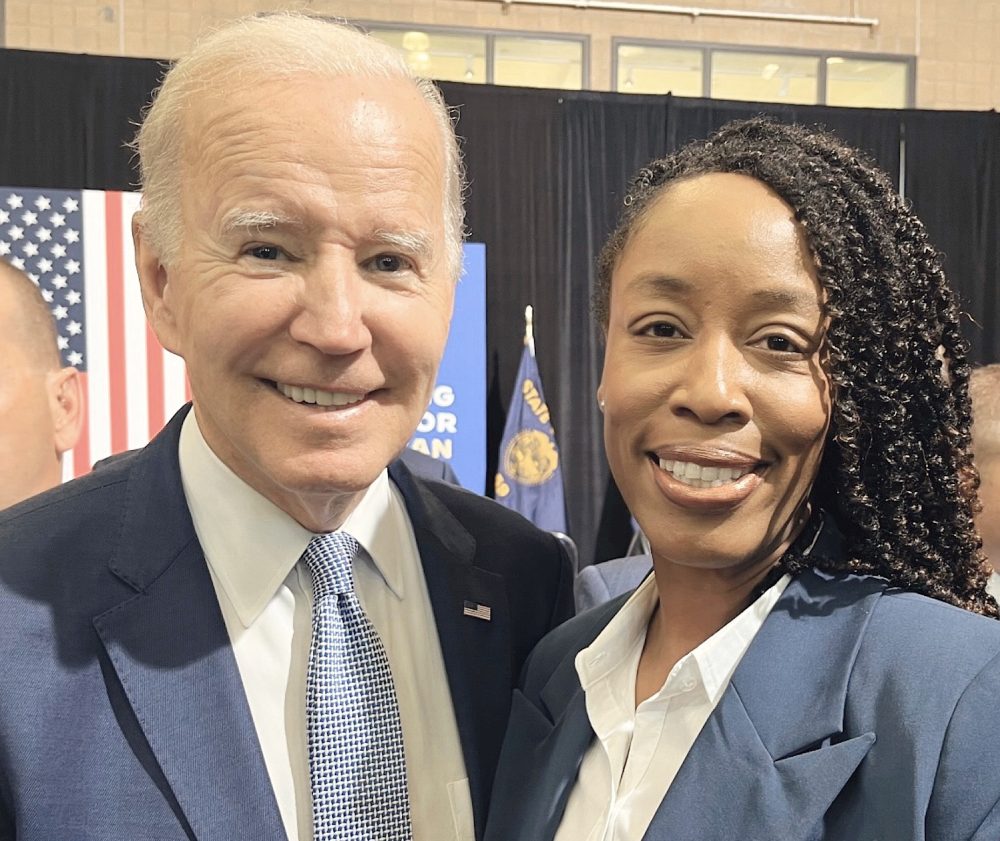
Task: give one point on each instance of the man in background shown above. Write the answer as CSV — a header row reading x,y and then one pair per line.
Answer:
x,y
251,628
984,389
41,405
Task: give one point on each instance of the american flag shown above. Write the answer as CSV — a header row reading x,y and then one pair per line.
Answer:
x,y
477,610
77,246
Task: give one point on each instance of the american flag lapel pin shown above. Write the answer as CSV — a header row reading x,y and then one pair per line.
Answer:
x,y
476,610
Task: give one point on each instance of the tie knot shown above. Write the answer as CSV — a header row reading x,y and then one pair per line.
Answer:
x,y
330,559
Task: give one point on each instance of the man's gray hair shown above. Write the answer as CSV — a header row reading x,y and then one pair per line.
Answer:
x,y
269,47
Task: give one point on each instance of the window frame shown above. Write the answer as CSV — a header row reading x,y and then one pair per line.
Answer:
x,y
707,50
491,34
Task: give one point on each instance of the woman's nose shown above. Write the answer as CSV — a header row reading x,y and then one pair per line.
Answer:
x,y
713,380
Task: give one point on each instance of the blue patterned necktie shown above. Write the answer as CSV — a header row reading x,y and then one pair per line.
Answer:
x,y
357,766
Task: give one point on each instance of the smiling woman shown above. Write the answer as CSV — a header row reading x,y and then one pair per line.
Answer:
x,y
786,413
897,466
713,364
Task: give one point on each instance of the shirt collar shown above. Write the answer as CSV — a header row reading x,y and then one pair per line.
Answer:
x,y
620,637
251,545
716,658
380,524
719,655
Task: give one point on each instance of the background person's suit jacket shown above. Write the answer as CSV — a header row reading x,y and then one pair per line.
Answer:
x,y
599,583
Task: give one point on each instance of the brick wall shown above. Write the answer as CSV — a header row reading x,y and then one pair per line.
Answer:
x,y
956,42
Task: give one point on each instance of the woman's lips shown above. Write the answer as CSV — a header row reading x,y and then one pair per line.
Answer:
x,y
706,487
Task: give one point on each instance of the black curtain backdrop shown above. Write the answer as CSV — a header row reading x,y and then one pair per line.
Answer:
x,y
547,171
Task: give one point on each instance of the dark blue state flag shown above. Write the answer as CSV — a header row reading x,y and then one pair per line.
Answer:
x,y
529,476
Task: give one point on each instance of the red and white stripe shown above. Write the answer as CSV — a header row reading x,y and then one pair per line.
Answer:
x,y
132,385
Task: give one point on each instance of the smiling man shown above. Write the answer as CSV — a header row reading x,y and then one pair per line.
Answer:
x,y
262,625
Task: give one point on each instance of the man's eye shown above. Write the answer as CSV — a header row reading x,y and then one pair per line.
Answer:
x,y
265,252
389,263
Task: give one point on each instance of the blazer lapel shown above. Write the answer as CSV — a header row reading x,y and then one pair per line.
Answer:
x,y
774,750
548,758
544,747
476,652
556,758
177,679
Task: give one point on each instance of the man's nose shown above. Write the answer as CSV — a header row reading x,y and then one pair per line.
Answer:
x,y
331,313
713,383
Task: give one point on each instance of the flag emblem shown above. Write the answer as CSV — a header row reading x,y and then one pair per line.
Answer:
x,y
531,457
477,610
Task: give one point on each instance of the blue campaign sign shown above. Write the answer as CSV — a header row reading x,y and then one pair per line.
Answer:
x,y
454,426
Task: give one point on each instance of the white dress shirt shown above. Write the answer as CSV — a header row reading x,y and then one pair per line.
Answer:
x,y
628,768
252,549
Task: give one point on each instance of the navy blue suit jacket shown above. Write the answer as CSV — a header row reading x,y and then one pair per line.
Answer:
x,y
427,467
600,583
859,713
122,712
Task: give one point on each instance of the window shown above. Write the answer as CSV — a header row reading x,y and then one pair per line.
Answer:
x,y
763,75
538,62
649,69
439,55
501,58
866,82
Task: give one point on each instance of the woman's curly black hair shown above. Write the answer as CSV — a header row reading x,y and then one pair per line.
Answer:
x,y
897,473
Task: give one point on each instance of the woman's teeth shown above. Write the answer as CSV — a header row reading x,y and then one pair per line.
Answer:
x,y
698,476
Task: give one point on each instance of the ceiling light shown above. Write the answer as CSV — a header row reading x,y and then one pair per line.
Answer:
x,y
416,41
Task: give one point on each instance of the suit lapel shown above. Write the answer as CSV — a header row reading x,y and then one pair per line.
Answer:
x,y
774,749
556,758
544,746
477,653
170,651
548,760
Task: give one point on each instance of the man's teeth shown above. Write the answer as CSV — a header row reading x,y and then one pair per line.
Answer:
x,y
317,396
702,477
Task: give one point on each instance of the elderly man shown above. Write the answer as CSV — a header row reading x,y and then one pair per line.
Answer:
x,y
40,401
250,629
984,388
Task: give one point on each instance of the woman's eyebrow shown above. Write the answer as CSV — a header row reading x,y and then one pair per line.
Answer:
x,y
668,286
658,285
805,303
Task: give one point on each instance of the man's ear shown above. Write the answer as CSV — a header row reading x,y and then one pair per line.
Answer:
x,y
66,407
157,295
600,396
